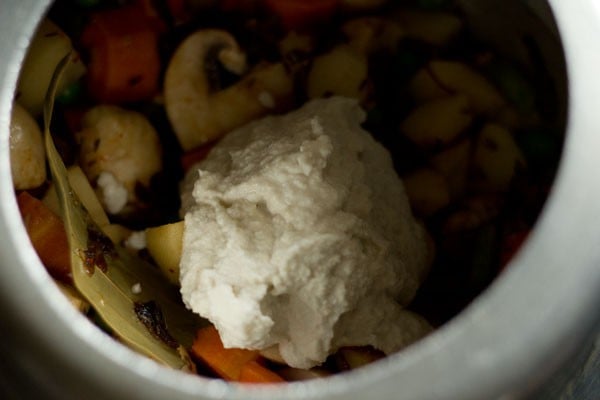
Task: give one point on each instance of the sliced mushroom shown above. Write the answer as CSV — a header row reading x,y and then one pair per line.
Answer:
x,y
198,109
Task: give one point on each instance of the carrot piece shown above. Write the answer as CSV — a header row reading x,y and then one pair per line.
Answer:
x,y
124,63
48,236
298,14
227,363
253,372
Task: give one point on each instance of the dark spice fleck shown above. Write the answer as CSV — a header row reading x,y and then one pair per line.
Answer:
x,y
150,314
98,248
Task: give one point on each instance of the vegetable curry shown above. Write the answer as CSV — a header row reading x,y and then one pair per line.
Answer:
x,y
148,87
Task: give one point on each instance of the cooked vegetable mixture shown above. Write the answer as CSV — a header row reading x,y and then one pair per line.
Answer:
x,y
149,88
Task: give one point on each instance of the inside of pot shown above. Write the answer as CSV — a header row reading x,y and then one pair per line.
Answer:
x,y
188,249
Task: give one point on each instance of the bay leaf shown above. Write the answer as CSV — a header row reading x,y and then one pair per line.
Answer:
x,y
142,309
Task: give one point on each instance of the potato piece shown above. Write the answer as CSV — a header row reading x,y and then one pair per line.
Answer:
x,y
343,71
435,28
294,42
440,78
27,153
49,45
368,35
427,191
496,159
164,245
438,121
453,163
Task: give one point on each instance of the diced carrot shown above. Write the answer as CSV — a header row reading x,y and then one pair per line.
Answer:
x,y
124,63
48,236
189,158
253,372
227,363
299,14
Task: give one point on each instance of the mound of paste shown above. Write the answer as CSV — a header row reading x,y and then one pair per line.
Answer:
x,y
298,234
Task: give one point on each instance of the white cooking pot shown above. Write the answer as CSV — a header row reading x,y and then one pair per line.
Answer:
x,y
527,326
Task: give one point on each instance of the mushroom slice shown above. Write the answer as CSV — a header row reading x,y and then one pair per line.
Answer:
x,y
198,109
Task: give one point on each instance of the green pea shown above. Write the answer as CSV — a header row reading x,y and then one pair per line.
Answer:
x,y
514,86
70,94
541,148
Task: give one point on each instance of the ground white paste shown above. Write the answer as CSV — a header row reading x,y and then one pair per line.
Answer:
x,y
298,234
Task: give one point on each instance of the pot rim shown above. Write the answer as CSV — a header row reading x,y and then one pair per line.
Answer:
x,y
492,349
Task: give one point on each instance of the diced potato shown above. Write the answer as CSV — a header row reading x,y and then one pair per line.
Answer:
x,y
296,42
371,34
164,245
453,163
343,71
27,153
440,78
496,159
435,28
427,191
49,45
438,121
